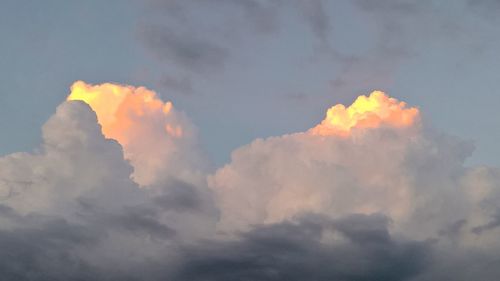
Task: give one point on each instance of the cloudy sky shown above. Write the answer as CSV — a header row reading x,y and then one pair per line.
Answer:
x,y
225,140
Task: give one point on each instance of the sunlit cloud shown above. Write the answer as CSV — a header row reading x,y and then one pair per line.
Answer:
x,y
119,189
155,137
371,111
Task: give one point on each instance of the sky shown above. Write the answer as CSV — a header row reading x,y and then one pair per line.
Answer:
x,y
249,140
287,61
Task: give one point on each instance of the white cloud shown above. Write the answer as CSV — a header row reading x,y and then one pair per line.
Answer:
x,y
71,209
160,142
414,175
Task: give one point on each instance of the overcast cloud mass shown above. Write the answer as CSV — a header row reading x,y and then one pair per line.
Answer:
x,y
123,184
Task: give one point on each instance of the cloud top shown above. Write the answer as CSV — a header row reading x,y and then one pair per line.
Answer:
x,y
152,133
378,196
371,111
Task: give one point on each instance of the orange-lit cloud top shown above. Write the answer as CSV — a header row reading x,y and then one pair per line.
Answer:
x,y
115,106
152,133
371,111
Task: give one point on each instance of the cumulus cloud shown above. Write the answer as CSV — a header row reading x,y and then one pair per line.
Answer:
x,y
159,141
375,195
411,174
371,111
71,210
333,168
74,160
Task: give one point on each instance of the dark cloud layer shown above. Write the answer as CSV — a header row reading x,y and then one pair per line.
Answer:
x,y
42,248
297,250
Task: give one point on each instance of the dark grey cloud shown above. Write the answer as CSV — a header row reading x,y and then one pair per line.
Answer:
x,y
52,248
173,31
261,15
203,46
316,17
310,247
42,248
180,196
388,6
139,220
453,230
492,224
298,251
184,49
375,68
492,5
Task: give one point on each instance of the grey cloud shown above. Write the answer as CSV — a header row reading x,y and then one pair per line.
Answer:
x,y
317,18
362,74
197,46
37,247
491,5
183,85
461,264
262,15
453,230
184,49
404,6
51,249
42,248
138,220
399,27
295,251
373,69
73,213
492,224
180,197
173,33
310,247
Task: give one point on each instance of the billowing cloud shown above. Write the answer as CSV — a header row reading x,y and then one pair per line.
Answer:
x,y
374,156
71,210
74,161
371,111
158,140
118,191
